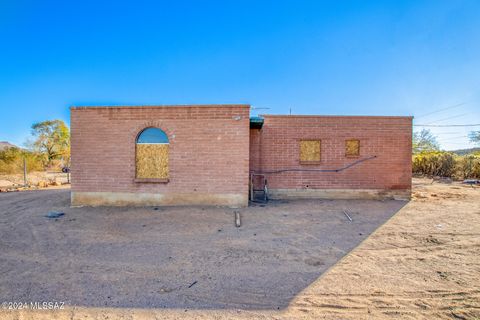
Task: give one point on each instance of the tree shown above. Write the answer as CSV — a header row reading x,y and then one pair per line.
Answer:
x,y
52,137
424,141
475,137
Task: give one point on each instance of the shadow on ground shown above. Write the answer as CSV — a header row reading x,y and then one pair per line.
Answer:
x,y
175,257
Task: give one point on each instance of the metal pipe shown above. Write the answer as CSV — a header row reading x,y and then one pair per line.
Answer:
x,y
24,172
318,170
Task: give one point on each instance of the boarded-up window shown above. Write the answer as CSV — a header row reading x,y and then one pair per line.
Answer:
x,y
310,151
152,150
352,148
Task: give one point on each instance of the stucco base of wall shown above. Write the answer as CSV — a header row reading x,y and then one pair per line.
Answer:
x,y
339,194
156,199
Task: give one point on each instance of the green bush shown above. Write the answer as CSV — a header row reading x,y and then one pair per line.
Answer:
x,y
468,167
446,164
435,163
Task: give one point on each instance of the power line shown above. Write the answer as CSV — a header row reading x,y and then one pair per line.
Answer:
x,y
457,132
444,109
467,144
446,134
447,125
450,138
444,119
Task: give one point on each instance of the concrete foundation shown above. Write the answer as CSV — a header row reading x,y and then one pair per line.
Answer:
x,y
156,199
373,194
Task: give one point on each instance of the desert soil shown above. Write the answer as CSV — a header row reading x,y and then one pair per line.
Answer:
x,y
297,259
35,180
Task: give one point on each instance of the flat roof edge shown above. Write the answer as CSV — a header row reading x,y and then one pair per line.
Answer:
x,y
331,116
163,106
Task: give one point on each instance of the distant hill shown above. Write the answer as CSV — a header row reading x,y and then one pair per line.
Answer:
x,y
6,144
463,152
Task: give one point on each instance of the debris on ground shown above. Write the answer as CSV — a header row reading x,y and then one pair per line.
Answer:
x,y
346,214
54,214
471,181
238,222
446,180
193,283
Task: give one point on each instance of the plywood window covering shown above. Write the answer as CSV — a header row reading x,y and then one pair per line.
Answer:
x,y
152,153
310,151
352,148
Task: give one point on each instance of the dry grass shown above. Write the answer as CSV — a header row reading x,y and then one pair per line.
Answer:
x,y
310,150
152,161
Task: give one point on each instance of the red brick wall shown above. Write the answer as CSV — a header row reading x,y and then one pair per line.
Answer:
x,y
209,148
276,146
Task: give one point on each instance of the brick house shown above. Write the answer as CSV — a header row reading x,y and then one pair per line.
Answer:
x,y
216,154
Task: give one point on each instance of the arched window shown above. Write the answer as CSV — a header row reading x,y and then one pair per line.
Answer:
x,y
152,148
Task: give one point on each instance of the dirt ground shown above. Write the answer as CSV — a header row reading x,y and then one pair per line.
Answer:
x,y
35,180
284,262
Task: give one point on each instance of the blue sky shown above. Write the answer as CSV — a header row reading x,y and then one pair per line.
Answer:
x,y
315,57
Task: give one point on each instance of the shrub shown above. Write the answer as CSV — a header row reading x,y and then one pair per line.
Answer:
x,y
11,161
435,163
446,164
468,167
